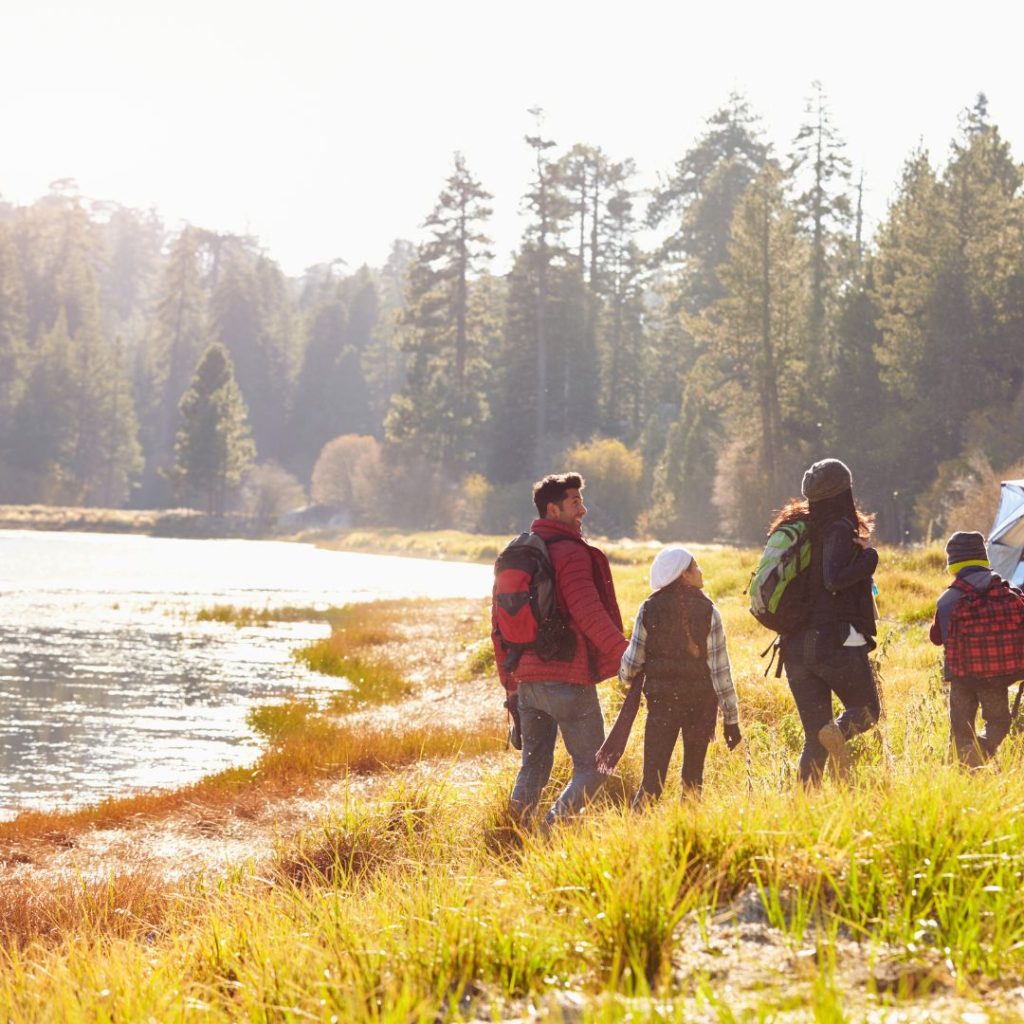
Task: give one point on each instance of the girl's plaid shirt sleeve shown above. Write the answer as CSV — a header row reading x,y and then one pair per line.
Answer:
x,y
635,653
721,670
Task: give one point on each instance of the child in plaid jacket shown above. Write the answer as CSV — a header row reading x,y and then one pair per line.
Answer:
x,y
979,621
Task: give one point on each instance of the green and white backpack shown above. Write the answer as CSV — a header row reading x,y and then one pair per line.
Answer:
x,y
779,591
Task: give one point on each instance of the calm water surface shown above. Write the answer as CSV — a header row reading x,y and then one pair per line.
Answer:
x,y
109,685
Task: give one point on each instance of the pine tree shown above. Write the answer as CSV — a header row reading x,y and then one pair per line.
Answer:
x,y
863,420
213,447
383,360
130,244
701,196
331,396
951,296
550,208
440,411
824,209
754,334
13,326
89,453
247,318
178,336
622,336
43,438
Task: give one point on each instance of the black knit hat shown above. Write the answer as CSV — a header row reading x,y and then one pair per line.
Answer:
x,y
966,546
826,479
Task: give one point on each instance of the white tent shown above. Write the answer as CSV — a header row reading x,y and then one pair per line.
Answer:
x,y
1006,540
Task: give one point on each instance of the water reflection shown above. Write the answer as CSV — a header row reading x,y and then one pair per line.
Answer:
x,y
107,682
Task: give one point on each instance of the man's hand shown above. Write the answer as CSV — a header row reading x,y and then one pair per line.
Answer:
x,y
732,735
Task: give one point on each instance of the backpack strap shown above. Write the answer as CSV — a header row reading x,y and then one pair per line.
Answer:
x,y
964,587
776,648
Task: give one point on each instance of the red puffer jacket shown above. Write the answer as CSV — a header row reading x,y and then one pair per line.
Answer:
x,y
586,594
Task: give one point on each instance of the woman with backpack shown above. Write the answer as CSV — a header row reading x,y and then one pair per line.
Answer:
x,y
828,653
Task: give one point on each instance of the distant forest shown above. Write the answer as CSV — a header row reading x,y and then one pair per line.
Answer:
x,y
690,381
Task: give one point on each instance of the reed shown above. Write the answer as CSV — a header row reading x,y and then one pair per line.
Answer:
x,y
426,903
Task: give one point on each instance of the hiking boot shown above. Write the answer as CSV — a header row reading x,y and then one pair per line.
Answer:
x,y
831,738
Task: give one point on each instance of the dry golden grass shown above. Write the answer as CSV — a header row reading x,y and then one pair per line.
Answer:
x,y
423,902
106,520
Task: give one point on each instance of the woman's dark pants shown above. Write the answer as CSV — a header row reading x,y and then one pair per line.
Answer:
x,y
666,719
817,669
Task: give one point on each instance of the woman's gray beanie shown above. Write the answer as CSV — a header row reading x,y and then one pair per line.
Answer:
x,y
826,479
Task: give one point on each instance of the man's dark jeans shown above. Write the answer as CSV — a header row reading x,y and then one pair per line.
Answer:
x,y
666,719
965,697
816,668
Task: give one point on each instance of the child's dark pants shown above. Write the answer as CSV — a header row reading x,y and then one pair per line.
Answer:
x,y
965,697
666,719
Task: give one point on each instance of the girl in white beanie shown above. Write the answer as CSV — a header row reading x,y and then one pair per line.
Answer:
x,y
678,644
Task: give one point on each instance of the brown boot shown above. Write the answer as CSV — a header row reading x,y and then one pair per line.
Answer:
x,y
831,738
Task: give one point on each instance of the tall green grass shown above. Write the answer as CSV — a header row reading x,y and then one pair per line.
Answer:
x,y
424,903
398,909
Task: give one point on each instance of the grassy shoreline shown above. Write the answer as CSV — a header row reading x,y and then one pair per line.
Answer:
x,y
895,899
458,546
454,545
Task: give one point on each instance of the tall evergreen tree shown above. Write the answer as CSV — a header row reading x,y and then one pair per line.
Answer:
x,y
213,447
622,336
43,440
247,320
550,208
90,453
824,208
178,336
383,360
13,327
952,304
331,396
440,410
700,197
754,333
130,244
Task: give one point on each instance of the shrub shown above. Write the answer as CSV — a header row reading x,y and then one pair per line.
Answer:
x,y
469,509
268,491
348,473
614,477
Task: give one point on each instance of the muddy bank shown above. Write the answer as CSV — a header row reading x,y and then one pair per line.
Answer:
x,y
432,650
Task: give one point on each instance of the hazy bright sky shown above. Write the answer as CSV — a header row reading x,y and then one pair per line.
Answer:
x,y
327,128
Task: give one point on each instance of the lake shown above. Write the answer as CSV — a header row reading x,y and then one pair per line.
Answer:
x,y
109,684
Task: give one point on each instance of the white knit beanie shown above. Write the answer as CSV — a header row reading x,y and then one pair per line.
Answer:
x,y
668,565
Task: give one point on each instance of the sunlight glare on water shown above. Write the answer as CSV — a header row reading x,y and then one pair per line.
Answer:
x,y
108,684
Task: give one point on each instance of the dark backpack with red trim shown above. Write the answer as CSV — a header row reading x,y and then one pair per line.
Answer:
x,y
525,607
985,638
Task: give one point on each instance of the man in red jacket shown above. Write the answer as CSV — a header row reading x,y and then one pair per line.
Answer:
x,y
562,695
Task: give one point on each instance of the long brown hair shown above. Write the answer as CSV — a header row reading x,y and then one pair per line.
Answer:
x,y
799,510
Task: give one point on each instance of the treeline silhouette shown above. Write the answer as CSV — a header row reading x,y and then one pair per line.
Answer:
x,y
690,380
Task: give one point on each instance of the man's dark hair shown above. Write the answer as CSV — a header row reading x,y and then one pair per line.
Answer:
x,y
554,488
